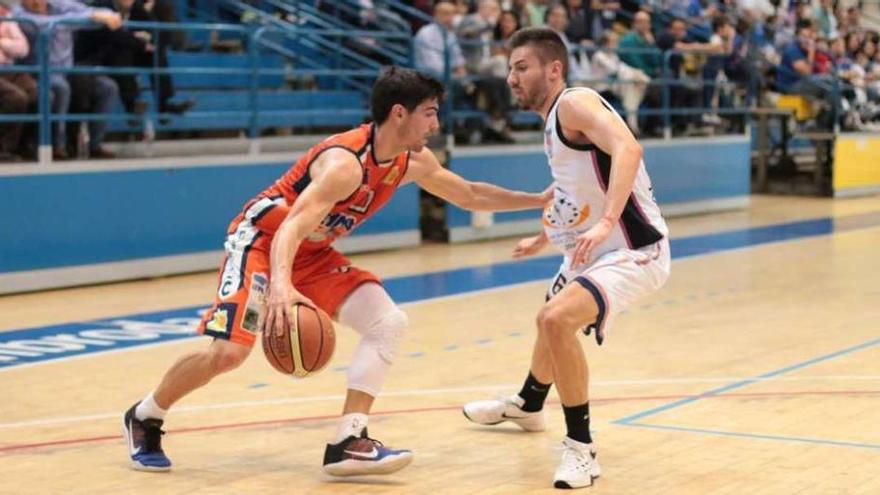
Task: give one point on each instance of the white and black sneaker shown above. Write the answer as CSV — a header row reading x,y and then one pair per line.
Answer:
x,y
363,455
578,467
496,411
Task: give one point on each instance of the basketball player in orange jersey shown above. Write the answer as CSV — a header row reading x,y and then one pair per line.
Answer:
x,y
279,252
605,221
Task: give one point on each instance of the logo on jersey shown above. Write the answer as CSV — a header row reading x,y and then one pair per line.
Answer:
x,y
563,212
391,176
335,224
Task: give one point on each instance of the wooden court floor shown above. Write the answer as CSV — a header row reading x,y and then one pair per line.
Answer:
x,y
755,370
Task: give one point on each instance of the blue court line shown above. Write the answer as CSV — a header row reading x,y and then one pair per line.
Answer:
x,y
41,344
422,286
631,420
747,381
820,441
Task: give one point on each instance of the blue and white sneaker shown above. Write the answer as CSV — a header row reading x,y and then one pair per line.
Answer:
x,y
144,440
362,455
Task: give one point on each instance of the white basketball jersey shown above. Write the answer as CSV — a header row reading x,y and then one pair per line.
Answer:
x,y
581,173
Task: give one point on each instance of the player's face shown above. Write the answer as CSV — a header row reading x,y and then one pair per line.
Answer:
x,y
528,78
421,124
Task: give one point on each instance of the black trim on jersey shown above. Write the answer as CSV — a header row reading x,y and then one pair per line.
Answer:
x,y
300,185
636,227
265,210
244,259
565,141
405,168
372,142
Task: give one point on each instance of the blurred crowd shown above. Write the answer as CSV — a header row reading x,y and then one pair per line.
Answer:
x,y
712,53
77,42
640,55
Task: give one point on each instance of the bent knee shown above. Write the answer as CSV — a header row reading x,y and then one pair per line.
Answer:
x,y
388,332
227,356
554,323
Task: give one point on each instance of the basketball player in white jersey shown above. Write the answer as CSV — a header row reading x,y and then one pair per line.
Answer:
x,y
605,221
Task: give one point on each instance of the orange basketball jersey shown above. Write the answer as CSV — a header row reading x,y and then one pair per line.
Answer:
x,y
380,180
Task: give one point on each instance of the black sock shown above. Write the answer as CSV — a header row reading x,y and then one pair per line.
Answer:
x,y
534,393
577,421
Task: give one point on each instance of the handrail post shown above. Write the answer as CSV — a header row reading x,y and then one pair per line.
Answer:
x,y
253,128
447,83
44,148
667,120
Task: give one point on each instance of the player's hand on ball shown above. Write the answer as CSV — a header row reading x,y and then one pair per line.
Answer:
x,y
587,242
530,246
279,307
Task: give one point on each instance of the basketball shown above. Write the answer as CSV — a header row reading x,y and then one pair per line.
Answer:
x,y
307,348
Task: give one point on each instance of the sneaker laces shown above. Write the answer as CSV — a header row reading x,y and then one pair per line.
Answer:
x,y
152,435
582,458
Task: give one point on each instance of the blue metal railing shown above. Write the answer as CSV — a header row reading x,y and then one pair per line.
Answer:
x,y
271,38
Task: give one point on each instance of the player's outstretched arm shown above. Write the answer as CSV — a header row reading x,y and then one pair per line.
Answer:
x,y
335,175
427,172
584,116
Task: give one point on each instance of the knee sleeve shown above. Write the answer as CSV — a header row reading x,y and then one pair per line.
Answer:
x,y
386,333
377,349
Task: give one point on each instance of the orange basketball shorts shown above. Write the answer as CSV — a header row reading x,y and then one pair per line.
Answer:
x,y
325,276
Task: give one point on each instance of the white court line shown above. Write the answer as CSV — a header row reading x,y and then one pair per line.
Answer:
x,y
424,392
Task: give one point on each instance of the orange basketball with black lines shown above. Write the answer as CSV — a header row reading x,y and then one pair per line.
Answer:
x,y
306,348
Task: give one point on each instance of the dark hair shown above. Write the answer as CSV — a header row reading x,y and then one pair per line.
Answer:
x,y
396,85
547,44
497,34
606,37
719,22
803,24
551,8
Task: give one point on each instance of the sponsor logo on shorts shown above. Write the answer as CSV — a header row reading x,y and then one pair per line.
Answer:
x,y
256,303
222,318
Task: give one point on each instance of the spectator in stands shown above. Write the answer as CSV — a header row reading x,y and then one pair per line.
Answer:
x,y
826,19
60,47
579,29
536,12
854,76
604,15
508,23
728,65
637,46
431,54
494,94
437,42
132,48
18,91
617,80
822,61
851,21
853,42
475,35
795,73
578,61
685,93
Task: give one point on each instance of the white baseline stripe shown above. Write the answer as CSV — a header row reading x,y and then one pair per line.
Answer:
x,y
429,392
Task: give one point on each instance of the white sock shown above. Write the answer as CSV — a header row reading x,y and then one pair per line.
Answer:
x,y
351,424
148,408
